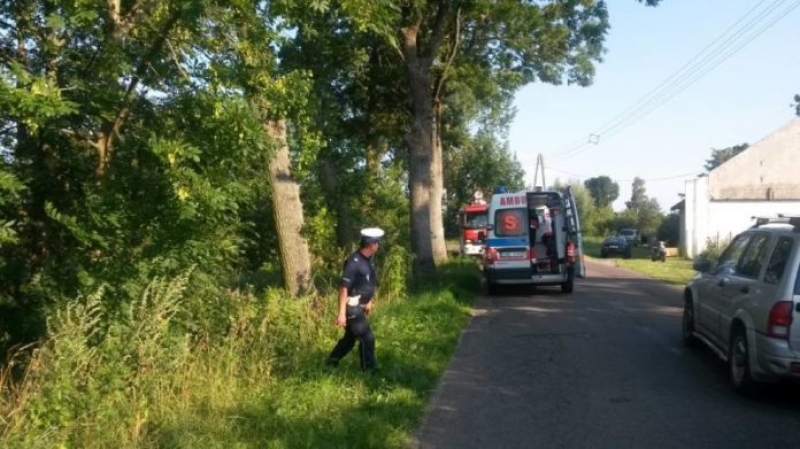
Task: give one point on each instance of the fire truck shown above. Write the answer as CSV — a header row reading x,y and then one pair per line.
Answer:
x,y
473,220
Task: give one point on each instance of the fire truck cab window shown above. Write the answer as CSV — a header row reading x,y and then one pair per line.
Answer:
x,y
477,221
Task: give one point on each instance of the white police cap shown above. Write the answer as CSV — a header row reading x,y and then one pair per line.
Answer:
x,y
372,234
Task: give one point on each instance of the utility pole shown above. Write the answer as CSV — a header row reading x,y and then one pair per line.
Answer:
x,y
539,166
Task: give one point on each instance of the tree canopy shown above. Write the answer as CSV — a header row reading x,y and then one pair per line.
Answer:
x,y
719,157
604,191
139,139
638,194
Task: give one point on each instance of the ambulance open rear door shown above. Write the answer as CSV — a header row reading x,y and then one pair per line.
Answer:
x,y
574,231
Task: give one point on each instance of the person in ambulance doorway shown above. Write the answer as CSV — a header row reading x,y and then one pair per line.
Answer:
x,y
356,299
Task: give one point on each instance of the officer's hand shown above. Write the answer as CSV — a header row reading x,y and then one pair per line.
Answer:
x,y
368,308
341,320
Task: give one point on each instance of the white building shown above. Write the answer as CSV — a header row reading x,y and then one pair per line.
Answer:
x,y
762,180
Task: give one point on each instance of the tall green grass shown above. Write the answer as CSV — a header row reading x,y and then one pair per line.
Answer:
x,y
141,378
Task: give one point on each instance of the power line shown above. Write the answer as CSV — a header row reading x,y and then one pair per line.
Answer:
x,y
678,81
677,77
692,65
658,179
692,77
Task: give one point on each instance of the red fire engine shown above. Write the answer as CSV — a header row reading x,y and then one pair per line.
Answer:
x,y
473,219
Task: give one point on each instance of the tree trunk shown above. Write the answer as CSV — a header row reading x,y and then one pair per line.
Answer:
x,y
330,182
419,141
288,210
437,189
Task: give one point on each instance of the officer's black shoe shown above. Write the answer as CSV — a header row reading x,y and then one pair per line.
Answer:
x,y
372,371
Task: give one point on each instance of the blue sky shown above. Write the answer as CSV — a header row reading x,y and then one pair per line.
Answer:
x,y
742,99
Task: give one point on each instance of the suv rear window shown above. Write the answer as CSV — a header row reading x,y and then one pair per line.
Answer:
x,y
777,261
752,260
729,258
510,222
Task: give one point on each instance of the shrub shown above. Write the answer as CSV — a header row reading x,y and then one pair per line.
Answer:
x,y
714,248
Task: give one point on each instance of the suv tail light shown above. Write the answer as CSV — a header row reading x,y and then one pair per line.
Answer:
x,y
532,254
780,319
490,255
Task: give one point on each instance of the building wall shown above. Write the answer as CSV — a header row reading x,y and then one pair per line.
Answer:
x,y
705,219
695,213
733,217
762,180
767,170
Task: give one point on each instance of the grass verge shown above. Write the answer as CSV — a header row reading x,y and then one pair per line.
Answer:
x,y
141,382
675,271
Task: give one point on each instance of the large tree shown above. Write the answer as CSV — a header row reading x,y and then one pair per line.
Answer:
x,y
359,108
133,144
645,211
649,217
638,194
510,43
719,157
797,104
480,165
604,191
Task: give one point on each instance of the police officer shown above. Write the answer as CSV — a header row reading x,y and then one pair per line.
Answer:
x,y
356,295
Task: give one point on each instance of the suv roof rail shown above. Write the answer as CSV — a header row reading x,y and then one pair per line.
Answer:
x,y
793,220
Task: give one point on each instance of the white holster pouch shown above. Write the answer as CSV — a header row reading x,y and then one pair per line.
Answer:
x,y
353,301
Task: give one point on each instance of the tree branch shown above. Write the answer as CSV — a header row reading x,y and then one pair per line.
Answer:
x,y
121,24
409,45
176,61
438,89
105,143
437,35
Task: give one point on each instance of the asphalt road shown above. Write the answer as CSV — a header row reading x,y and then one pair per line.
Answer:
x,y
604,367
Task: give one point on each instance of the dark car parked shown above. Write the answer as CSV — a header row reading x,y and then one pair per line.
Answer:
x,y
616,246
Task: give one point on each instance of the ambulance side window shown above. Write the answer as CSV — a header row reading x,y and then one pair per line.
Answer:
x,y
510,222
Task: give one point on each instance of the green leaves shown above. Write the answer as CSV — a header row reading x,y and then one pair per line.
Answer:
x,y
604,191
30,98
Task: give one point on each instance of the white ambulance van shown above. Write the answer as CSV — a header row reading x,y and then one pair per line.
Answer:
x,y
534,238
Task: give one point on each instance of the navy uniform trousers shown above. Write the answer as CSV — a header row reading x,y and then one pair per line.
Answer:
x,y
356,329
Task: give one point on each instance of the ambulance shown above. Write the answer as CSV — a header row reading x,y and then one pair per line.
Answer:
x,y
533,238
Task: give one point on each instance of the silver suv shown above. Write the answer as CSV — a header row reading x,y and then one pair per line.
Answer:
x,y
746,304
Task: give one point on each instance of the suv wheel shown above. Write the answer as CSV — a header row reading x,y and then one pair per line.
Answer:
x,y
739,363
689,340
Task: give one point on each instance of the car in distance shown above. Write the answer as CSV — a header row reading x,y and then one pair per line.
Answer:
x,y
745,305
631,235
615,246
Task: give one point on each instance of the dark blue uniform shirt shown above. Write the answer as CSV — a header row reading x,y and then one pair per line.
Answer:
x,y
360,276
